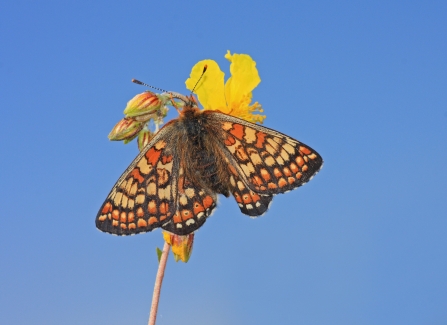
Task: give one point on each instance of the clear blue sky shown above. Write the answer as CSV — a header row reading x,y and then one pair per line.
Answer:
x,y
364,83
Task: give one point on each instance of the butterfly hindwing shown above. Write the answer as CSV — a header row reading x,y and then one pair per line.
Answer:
x,y
194,206
144,197
250,203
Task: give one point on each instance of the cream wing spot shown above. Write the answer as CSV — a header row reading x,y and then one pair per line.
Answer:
x,y
167,166
123,184
248,168
133,189
255,158
183,200
140,198
165,193
232,148
144,167
269,161
151,189
129,185
284,155
290,149
270,149
124,201
117,199
160,145
190,192
250,135
280,160
274,144
227,126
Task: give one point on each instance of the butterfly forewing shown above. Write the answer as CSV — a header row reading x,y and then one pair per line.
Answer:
x,y
145,195
266,161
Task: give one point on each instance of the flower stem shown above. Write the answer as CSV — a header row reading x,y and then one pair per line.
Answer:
x,y
158,282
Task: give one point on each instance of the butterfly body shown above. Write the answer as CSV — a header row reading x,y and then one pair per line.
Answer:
x,y
200,156
173,183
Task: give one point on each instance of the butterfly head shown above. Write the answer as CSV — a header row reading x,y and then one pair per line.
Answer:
x,y
185,103
192,102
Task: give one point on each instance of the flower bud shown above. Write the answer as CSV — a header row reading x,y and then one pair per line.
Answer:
x,y
126,129
181,245
144,103
143,138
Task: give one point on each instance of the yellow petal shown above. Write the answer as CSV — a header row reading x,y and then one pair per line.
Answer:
x,y
244,78
210,89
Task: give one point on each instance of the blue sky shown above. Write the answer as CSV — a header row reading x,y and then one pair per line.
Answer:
x,y
364,83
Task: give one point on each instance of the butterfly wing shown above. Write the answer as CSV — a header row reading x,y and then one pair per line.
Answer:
x,y
145,196
263,162
194,206
250,203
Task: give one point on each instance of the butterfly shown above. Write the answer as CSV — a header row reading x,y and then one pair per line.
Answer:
x,y
173,183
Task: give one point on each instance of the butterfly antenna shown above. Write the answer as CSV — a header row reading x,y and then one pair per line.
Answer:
x,y
138,82
203,72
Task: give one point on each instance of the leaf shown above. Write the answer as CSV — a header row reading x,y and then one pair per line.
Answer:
x,y
159,253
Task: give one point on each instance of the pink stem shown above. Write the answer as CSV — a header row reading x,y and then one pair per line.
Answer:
x,y
158,282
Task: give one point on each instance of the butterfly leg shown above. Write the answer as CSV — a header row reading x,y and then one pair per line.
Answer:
x,y
174,104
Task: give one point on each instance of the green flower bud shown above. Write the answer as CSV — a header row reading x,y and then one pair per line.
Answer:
x,y
126,129
144,103
143,138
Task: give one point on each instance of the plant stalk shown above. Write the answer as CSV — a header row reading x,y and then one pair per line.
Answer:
x,y
158,283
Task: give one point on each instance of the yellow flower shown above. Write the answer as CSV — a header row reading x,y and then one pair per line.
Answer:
x,y
234,97
181,245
